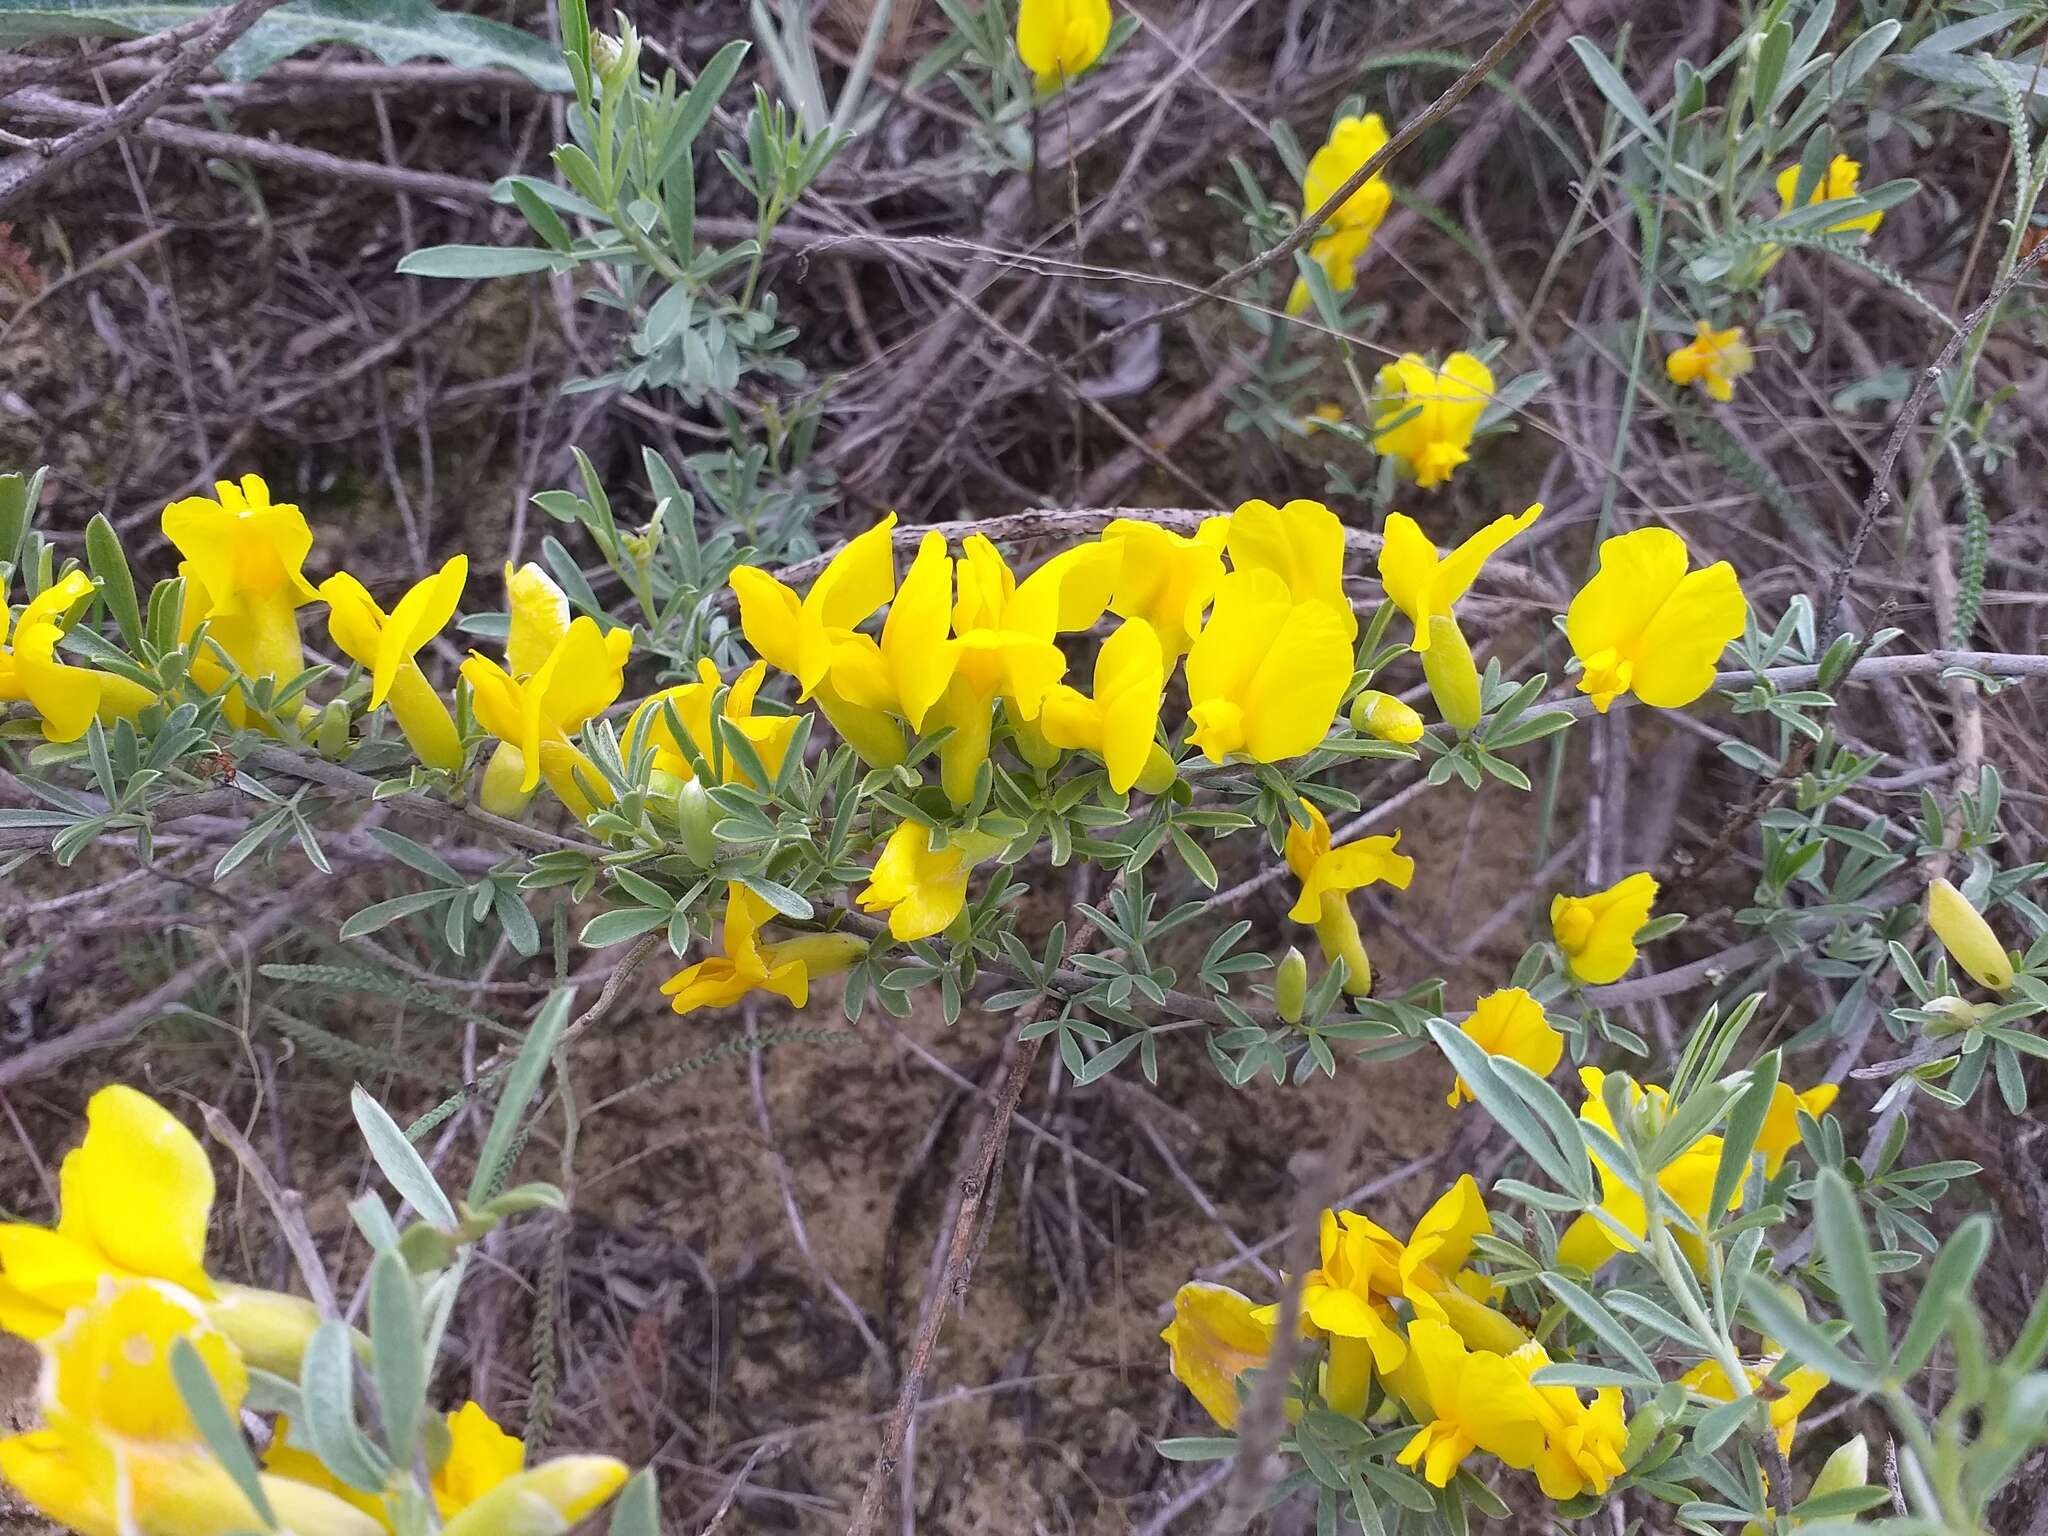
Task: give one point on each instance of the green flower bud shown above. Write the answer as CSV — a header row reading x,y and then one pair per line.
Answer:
x,y
695,817
330,734
1290,985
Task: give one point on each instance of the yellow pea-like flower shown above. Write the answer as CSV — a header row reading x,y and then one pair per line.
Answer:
x,y
1347,1300
1843,179
1647,624
1328,875
1780,1131
1214,1338
135,1197
923,888
1060,40
1511,1023
1597,933
1687,1183
388,643
1166,578
1967,937
1425,416
769,735
1302,543
1424,584
1266,673
1342,242
481,1457
552,1499
1794,1392
785,967
243,564
66,696
1582,1442
1465,1400
1120,721
1713,360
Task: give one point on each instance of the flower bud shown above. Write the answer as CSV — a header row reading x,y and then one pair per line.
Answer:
x,y
1957,1014
1290,985
499,792
270,1328
1159,773
1967,937
1385,718
1453,679
1849,1467
695,818
330,731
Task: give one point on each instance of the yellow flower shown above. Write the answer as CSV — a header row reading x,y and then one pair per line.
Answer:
x,y
1969,939
1789,1396
1466,1400
1425,416
1386,718
387,644
1303,544
769,735
1582,1443
1511,1023
1119,722
135,1197
1780,1131
552,1499
1843,180
1328,875
1266,673
801,635
481,1456
1215,1338
1059,40
1341,243
1165,578
243,569
1597,933
1713,359
1425,585
67,697
1645,624
785,967
1687,1182
1346,1300
118,1452
578,670
923,888
1432,1272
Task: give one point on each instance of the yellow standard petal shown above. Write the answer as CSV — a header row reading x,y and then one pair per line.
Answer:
x,y
138,1191
1597,933
1511,1023
1214,1339
1059,40
1422,583
1302,543
1165,578
481,1456
1266,674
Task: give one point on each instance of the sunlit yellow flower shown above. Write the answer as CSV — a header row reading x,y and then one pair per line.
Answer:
x,y
1166,578
800,635
923,888
1425,416
1597,933
243,569
768,735
1843,180
1780,1131
118,1452
66,696
1328,875
1423,584
1967,937
1347,1299
1266,673
1511,1023
1119,722
1713,359
1647,625
1302,543
1582,1442
1215,1338
1789,1395
1342,242
552,1499
786,967
1386,718
387,644
1432,1273
135,1196
578,670
1466,1400
1060,40
1687,1182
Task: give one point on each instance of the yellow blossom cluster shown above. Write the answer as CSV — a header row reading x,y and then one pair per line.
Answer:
x,y
108,1294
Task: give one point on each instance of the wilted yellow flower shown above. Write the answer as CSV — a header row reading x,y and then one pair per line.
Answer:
x,y
785,967
67,697
135,1198
1386,718
1466,1400
578,669
1687,1182
1059,40
1166,578
1780,1131
1843,180
1645,624
1346,1299
1342,242
768,735
1713,359
387,644
1328,875
1120,721
1582,1442
1302,543
1789,1396
1511,1023
1597,933
1425,585
1969,939
1214,1338
923,888
1425,416
1266,673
